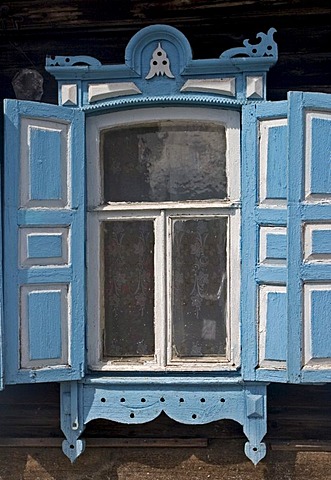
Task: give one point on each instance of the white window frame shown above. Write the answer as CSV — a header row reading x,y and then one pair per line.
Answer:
x,y
161,211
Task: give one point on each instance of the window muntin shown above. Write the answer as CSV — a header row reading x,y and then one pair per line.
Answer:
x,y
224,353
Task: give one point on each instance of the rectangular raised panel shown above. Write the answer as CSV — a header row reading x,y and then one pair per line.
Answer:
x,y
44,246
273,161
317,325
318,164
273,245
272,326
103,91
44,163
317,243
222,86
44,325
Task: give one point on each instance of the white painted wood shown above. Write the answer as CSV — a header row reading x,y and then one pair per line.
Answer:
x,y
99,212
95,284
104,91
95,125
309,196
25,178
24,233
25,361
69,94
308,360
222,86
264,127
309,255
254,87
264,232
160,273
264,290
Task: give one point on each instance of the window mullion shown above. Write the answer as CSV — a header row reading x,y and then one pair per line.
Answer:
x,y
160,289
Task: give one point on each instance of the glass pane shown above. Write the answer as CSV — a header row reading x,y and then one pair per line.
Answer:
x,y
128,259
164,161
199,292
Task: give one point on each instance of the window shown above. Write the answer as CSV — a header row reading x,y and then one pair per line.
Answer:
x,y
163,239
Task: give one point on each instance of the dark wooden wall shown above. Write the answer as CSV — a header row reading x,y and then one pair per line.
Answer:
x,y
30,29
299,417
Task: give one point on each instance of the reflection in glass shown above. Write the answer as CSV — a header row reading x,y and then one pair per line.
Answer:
x,y
128,259
199,287
164,161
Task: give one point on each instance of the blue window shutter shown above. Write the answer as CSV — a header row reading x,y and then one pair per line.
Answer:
x,y
1,292
309,237
264,240
44,237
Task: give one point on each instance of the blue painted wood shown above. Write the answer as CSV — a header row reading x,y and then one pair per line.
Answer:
x,y
141,403
45,164
298,211
276,336
277,162
44,246
141,55
321,323
44,323
1,286
320,157
321,242
276,246
54,217
254,215
50,215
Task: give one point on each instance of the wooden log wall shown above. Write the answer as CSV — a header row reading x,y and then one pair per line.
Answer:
x,y
299,417
101,28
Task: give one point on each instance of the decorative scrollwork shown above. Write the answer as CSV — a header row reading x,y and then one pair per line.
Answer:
x,y
266,48
63,61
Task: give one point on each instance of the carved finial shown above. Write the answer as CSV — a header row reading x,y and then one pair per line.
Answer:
x,y
159,64
266,48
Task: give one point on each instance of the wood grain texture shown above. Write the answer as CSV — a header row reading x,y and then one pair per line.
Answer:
x,y
83,28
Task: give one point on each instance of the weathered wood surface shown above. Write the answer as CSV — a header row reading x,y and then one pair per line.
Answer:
x,y
221,461
295,413
299,420
31,29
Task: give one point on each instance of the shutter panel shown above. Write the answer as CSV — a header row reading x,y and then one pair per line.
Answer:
x,y
264,232
44,242
309,237
1,291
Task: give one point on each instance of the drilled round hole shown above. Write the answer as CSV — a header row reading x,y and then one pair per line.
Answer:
x,y
102,400
254,449
67,59
122,400
131,415
269,47
181,400
194,416
72,447
254,50
143,400
159,53
164,62
202,400
222,400
162,399
155,62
